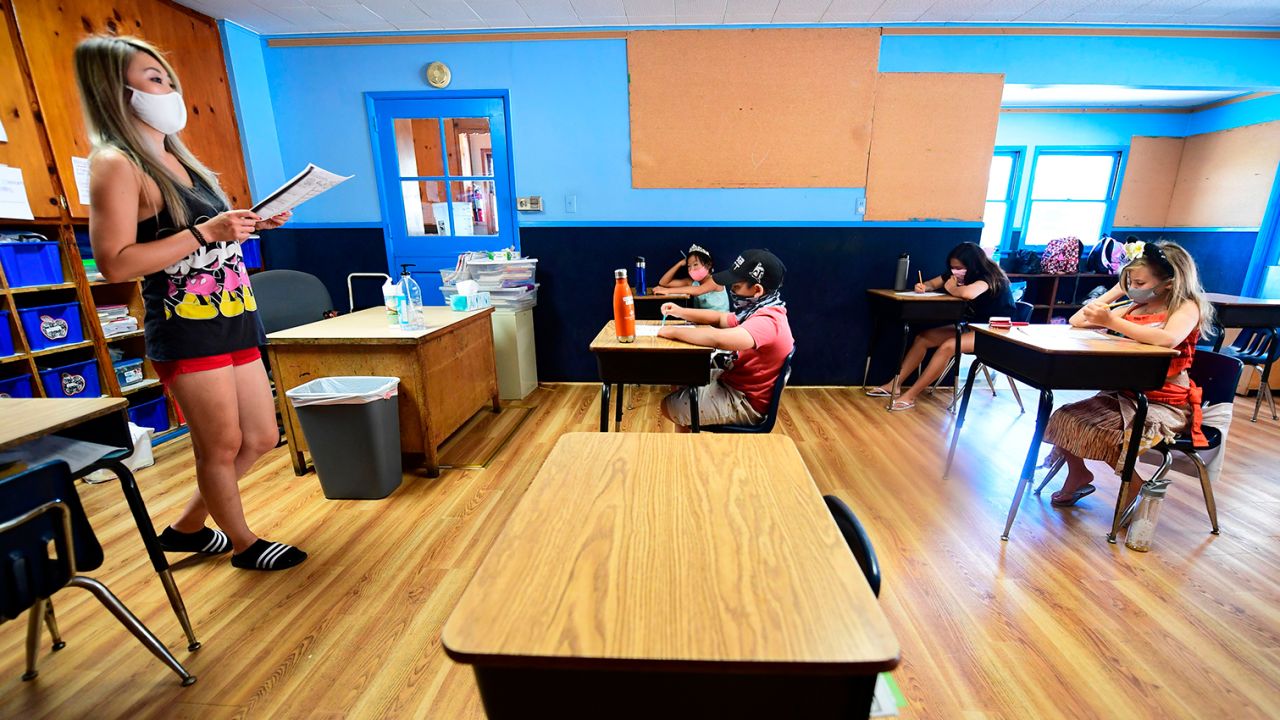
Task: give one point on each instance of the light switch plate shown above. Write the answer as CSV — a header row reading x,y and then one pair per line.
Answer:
x,y
862,206
532,203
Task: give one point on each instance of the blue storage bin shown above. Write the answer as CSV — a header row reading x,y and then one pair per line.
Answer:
x,y
17,387
52,325
31,263
74,380
252,249
6,336
152,414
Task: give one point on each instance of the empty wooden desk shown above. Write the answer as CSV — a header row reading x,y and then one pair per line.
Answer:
x,y
887,306
105,422
447,372
629,583
1060,357
1234,311
649,360
649,307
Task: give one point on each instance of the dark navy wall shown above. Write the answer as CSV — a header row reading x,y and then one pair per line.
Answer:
x,y
1223,256
828,271
330,254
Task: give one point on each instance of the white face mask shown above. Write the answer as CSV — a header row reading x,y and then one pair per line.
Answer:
x,y
166,113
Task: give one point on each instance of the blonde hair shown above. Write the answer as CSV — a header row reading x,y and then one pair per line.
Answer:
x,y
102,62
1185,280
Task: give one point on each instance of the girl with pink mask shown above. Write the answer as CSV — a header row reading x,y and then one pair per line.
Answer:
x,y
696,283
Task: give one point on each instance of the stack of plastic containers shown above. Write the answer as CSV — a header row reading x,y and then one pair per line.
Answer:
x,y
510,282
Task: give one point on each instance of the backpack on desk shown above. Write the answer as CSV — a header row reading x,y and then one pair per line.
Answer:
x,y
1061,256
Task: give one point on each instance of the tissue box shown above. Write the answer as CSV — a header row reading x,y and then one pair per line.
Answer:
x,y
464,303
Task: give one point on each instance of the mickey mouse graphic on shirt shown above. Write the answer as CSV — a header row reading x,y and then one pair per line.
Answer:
x,y
209,283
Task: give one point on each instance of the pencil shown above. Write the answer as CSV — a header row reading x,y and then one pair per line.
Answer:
x,y
1120,303
920,274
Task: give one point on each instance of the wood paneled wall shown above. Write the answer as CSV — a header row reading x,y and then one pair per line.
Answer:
x,y
49,32
1149,177
25,149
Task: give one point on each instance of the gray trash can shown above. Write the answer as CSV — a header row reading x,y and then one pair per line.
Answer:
x,y
352,426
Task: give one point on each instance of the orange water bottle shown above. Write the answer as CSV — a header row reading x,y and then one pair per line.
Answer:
x,y
624,308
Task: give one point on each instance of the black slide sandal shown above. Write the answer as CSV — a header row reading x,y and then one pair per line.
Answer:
x,y
205,541
266,555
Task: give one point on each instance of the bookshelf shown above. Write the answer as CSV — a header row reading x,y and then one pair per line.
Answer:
x,y
1059,296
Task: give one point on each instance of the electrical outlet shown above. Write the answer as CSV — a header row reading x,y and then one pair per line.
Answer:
x,y
571,203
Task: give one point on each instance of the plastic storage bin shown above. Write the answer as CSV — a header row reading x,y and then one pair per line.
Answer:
x,y
17,387
128,372
52,325
74,380
6,336
352,426
153,414
31,263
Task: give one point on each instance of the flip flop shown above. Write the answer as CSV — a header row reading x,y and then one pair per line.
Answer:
x,y
901,405
877,392
1073,498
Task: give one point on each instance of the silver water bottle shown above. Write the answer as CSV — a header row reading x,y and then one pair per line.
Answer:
x,y
900,277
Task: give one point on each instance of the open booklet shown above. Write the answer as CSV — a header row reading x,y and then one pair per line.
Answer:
x,y
305,185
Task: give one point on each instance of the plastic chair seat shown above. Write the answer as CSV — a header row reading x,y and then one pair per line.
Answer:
x,y
1184,442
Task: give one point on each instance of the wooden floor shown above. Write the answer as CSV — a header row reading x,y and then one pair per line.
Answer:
x,y
1054,623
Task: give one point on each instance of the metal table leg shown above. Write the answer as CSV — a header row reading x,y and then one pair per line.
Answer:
x,y
964,408
694,423
1033,454
897,377
617,417
1130,462
604,407
871,346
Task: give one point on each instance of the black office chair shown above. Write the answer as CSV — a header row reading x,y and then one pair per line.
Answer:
x,y
1259,349
771,413
856,537
40,509
289,298
1217,374
1021,313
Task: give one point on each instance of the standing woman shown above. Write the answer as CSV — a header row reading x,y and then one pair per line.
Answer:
x,y
157,212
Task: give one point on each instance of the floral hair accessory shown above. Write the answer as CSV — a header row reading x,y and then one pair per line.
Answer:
x,y
1133,250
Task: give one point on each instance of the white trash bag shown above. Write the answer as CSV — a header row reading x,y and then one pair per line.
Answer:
x,y
343,391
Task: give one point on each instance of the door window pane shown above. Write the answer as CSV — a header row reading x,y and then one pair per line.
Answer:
x,y
993,219
1072,177
418,147
998,181
470,147
420,199
1050,220
475,207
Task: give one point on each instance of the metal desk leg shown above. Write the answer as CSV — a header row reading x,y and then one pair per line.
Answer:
x,y
617,416
152,543
1033,454
964,407
604,407
897,376
871,346
955,390
1222,335
694,423
1130,462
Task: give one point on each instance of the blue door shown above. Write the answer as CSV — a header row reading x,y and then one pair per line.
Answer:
x,y
444,179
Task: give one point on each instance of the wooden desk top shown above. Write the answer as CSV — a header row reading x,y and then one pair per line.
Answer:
x,y
625,552
672,296
1221,299
893,295
607,341
23,420
370,327
1067,340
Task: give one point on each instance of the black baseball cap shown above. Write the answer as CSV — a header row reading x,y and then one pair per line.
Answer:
x,y
754,266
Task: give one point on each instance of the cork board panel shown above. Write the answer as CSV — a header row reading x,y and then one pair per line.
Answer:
x,y
931,144
751,108
1149,177
1225,177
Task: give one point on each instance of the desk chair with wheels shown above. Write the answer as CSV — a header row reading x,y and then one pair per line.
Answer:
x,y
1217,374
771,413
41,510
1259,349
856,537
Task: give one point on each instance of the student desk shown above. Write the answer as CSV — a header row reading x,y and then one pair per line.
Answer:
x,y
649,307
103,421
886,306
648,361
447,372
1060,357
1234,311
630,582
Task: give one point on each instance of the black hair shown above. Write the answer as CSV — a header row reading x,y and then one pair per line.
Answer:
x,y
979,266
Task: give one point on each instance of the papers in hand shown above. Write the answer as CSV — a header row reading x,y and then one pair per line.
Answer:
x,y
913,293
305,185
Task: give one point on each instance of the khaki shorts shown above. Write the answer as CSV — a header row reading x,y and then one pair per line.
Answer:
x,y
718,404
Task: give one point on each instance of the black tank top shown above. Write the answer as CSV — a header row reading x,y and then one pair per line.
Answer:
x,y
201,305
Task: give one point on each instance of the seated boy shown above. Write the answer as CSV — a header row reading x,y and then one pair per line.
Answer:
x,y
755,328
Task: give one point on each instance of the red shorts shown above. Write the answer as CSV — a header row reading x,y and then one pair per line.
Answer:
x,y
170,370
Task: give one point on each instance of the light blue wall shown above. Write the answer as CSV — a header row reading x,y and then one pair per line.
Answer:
x,y
251,95
1249,112
570,119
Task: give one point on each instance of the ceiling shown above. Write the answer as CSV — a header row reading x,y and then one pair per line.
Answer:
x,y
1076,96
340,16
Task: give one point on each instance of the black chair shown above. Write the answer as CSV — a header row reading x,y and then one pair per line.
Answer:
x,y
856,537
288,298
1217,374
771,413
42,510
1259,349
